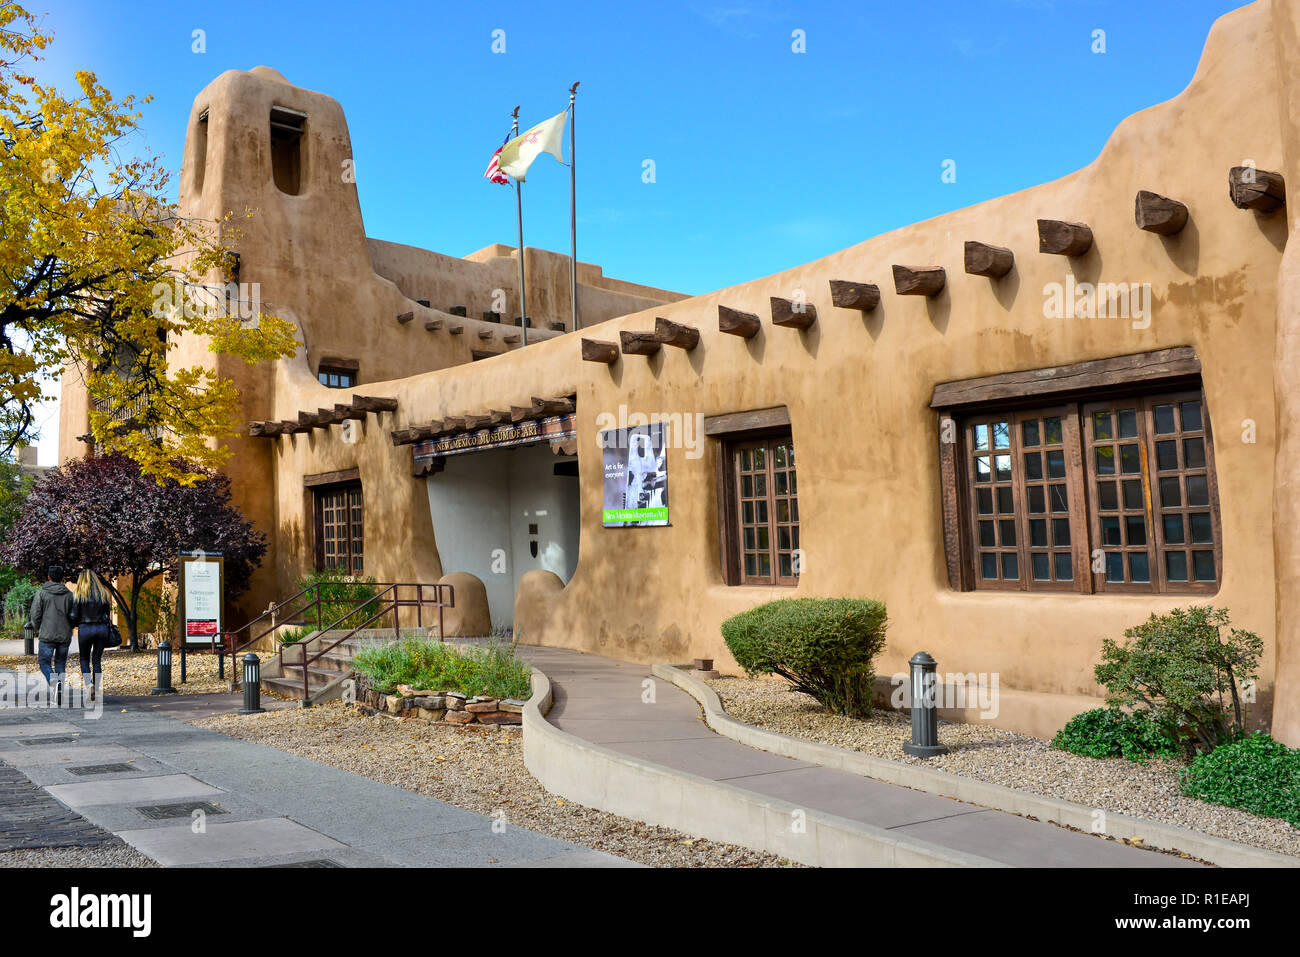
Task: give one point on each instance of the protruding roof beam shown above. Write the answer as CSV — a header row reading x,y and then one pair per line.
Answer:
x,y
1060,238
855,295
511,338
675,334
984,259
268,430
597,350
792,315
737,323
405,317
544,407
373,403
640,343
1158,214
919,280
433,325
1256,189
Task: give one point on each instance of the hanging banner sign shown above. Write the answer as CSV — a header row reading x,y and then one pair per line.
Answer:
x,y
557,428
201,596
636,476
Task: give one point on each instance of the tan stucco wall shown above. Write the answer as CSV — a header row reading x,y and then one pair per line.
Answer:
x,y
857,387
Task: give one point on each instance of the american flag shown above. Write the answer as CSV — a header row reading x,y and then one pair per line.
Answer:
x,y
494,171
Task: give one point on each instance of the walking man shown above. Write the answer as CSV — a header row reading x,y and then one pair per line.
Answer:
x,y
53,618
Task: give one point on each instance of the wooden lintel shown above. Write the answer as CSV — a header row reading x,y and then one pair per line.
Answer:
x,y
737,323
331,478
792,315
752,420
675,334
373,403
1158,214
597,350
1257,189
433,325
919,280
985,259
1061,238
639,343
405,317
855,295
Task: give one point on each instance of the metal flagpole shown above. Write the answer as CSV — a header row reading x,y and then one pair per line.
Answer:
x,y
573,210
519,210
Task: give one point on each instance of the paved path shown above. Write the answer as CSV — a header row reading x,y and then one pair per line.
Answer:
x,y
187,796
600,700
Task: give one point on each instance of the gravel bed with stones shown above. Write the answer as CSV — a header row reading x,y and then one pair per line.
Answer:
x,y
1013,760
479,769
112,854
136,673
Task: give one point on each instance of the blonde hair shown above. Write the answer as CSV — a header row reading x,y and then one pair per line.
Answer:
x,y
90,587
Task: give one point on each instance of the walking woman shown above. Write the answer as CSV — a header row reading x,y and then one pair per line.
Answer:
x,y
92,604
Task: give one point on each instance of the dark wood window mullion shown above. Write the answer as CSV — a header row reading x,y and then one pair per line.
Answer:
x,y
1081,537
1150,489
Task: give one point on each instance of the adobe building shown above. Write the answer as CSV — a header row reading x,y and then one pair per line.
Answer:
x,y
1025,425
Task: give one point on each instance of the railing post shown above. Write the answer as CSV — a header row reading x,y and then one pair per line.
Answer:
x,y
441,635
419,606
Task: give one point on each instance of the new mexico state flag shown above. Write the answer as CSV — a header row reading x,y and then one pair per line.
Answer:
x,y
519,153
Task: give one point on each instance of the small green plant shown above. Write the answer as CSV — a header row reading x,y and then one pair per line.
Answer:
x,y
157,614
1111,733
1187,668
17,606
293,635
491,670
343,599
825,647
1254,773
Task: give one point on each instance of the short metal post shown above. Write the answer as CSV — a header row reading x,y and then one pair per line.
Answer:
x,y
252,685
182,662
29,639
925,716
164,669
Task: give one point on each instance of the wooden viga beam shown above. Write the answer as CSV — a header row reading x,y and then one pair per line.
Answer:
x,y
1061,238
854,295
331,416
473,422
598,350
500,416
404,317
309,421
263,430
403,436
737,323
349,412
373,403
1256,189
792,315
919,280
545,407
521,413
675,334
985,259
639,343
511,338
1158,214
293,427
433,325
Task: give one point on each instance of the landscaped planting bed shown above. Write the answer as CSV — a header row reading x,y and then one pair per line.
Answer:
x,y
1147,790
476,767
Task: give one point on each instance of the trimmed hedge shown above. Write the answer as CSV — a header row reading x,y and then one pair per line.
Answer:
x,y
1254,773
825,647
1111,733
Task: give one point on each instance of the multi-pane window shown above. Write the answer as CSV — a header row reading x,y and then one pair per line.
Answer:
x,y
767,511
340,528
1114,495
336,378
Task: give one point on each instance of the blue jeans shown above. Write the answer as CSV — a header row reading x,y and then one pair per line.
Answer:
x,y
53,660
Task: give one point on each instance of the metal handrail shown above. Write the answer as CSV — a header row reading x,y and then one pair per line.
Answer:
x,y
392,604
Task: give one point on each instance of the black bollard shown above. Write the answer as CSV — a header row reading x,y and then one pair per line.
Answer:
x,y
164,670
252,685
925,717
29,639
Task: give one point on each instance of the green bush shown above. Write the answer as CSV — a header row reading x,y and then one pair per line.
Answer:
x,y
491,670
825,647
342,596
1110,733
18,604
1188,668
1255,773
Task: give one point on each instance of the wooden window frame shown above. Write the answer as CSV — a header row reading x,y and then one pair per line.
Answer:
x,y
355,530
1145,381
333,365
732,432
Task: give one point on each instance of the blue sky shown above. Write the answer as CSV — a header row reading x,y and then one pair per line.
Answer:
x,y
764,158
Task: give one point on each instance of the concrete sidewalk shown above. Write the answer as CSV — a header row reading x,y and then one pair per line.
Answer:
x,y
601,701
143,776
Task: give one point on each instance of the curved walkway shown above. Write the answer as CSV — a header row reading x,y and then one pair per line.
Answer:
x,y
609,703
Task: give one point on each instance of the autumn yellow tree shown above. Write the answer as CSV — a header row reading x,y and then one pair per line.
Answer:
x,y
90,253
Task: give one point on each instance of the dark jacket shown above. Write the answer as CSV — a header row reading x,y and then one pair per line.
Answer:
x,y
53,614
90,612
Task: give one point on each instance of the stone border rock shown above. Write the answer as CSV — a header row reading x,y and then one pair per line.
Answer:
x,y
1151,834
601,778
444,707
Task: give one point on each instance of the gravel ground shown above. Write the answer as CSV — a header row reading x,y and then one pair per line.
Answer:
x,y
116,854
479,770
134,673
1003,757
